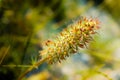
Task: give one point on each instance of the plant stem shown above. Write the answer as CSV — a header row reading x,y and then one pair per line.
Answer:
x,y
15,65
4,54
105,75
31,68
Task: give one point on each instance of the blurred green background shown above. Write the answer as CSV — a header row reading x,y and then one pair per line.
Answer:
x,y
26,24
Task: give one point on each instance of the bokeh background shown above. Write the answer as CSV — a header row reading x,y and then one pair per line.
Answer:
x,y
26,24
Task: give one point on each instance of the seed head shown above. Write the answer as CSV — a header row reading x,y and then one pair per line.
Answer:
x,y
77,35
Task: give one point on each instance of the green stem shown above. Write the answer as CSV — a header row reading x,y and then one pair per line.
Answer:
x,y
105,75
15,65
31,68
4,54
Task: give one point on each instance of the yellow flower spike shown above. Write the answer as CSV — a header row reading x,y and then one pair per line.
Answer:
x,y
77,35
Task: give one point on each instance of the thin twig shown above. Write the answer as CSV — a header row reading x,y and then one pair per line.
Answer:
x,y
31,68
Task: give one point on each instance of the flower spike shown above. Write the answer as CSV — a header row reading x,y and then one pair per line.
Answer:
x,y
76,35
